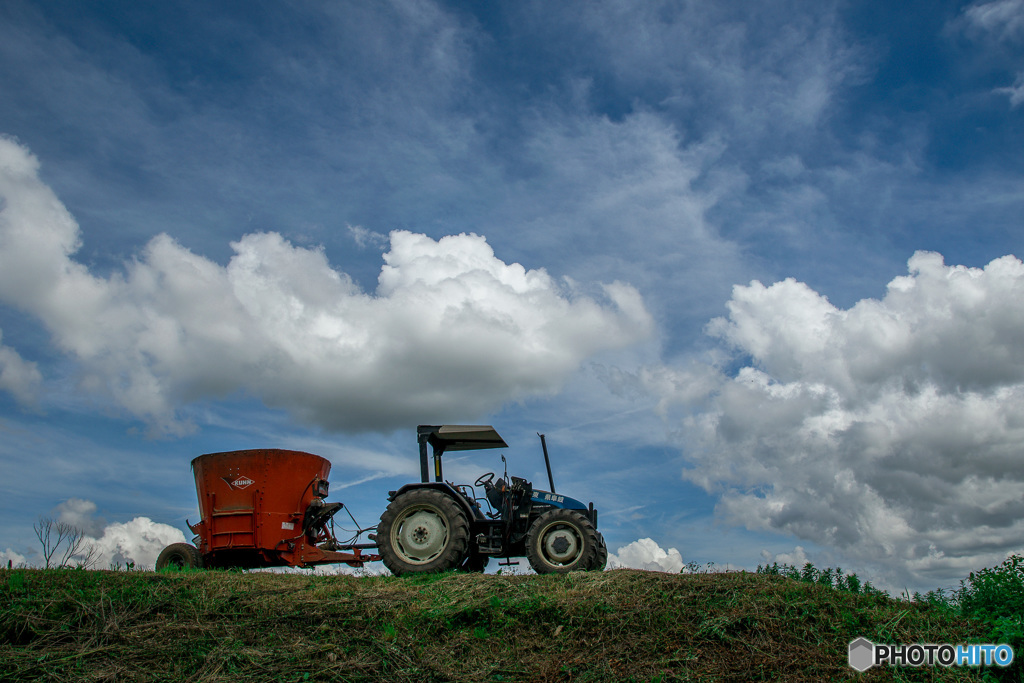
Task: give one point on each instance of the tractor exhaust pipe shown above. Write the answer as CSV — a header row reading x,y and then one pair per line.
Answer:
x,y
547,461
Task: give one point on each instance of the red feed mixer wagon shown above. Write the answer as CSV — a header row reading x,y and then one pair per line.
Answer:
x,y
263,508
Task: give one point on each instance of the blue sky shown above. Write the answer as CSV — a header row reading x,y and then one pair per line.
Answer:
x,y
751,267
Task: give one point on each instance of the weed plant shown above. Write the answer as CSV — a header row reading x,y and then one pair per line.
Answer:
x,y
993,596
833,578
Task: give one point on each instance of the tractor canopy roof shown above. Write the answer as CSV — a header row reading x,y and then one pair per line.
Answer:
x,y
460,437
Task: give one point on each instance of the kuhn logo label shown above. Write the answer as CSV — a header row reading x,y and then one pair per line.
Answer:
x,y
240,483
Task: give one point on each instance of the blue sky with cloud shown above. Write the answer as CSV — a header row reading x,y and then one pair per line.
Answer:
x,y
751,267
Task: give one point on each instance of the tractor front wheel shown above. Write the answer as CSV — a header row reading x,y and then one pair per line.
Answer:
x,y
423,531
561,541
180,556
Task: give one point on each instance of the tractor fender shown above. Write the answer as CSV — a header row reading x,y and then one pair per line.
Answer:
x,y
473,512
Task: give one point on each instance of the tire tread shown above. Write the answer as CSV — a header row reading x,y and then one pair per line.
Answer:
x,y
183,555
458,531
584,561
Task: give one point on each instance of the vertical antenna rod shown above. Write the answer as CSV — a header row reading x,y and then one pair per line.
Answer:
x,y
547,461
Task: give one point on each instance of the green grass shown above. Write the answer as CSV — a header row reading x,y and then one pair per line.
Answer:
x,y
620,625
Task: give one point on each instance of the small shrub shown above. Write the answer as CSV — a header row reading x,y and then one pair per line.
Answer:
x,y
995,596
995,591
833,578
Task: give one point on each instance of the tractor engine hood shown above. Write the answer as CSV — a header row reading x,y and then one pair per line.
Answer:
x,y
557,500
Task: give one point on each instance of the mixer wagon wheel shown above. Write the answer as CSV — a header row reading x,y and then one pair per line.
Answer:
x,y
561,541
180,556
423,531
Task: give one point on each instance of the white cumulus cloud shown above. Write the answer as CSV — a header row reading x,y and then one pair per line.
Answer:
x,y
138,541
80,514
18,376
102,545
1003,18
645,553
995,23
12,558
892,430
451,331
1015,92
797,558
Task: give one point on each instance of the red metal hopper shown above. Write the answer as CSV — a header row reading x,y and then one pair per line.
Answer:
x,y
265,508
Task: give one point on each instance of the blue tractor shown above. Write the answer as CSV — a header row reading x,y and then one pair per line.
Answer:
x,y
433,526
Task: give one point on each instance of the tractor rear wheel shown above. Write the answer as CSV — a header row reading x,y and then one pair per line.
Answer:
x,y
601,556
561,541
423,531
179,556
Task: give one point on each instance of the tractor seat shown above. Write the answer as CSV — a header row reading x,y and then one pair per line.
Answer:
x,y
496,494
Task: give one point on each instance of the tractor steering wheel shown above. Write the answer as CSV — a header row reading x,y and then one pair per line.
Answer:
x,y
485,479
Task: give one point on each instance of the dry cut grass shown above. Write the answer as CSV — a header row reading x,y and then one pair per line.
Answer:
x,y
623,625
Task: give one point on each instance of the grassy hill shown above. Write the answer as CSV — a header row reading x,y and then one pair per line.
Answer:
x,y
72,625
